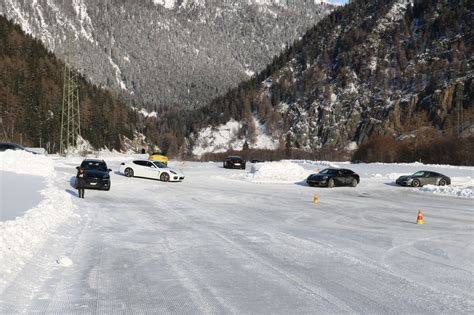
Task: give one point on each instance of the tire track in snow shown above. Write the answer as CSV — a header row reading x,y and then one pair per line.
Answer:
x,y
295,281
317,294
298,284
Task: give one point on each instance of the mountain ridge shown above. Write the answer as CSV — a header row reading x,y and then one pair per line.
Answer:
x,y
385,67
154,56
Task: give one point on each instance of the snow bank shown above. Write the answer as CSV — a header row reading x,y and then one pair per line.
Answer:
x,y
392,176
457,191
276,172
419,164
22,237
22,162
319,164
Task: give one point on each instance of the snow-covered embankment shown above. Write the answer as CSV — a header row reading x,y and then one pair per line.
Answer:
x,y
22,237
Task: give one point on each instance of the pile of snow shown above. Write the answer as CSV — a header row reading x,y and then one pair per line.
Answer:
x,y
457,191
392,176
82,145
319,164
22,237
276,172
23,162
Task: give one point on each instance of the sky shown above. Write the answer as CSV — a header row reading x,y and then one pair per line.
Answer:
x,y
337,1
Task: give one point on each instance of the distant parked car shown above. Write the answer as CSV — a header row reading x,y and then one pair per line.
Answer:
x,y
421,178
13,146
151,169
256,161
331,177
97,174
158,156
234,162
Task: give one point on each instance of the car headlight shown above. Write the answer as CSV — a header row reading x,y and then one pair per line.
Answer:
x,y
173,172
324,177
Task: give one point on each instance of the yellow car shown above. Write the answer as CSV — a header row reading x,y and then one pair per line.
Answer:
x,y
158,156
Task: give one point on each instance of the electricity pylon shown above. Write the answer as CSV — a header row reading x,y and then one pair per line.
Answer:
x,y
70,118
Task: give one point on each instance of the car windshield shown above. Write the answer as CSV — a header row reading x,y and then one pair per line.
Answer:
x,y
159,164
235,158
157,153
328,171
94,166
420,173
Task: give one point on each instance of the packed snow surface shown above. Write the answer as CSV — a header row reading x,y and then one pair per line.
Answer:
x,y
275,172
10,194
222,242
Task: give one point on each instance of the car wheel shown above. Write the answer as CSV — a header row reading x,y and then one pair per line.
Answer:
x,y
354,182
331,183
442,182
108,188
243,167
416,183
128,172
164,177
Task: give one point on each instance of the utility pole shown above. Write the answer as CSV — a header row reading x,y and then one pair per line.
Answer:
x,y
70,117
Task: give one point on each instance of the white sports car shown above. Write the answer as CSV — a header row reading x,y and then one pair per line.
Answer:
x,y
151,169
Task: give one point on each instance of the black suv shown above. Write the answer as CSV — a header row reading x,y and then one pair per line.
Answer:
x,y
97,174
234,162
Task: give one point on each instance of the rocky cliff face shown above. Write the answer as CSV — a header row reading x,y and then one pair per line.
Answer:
x,y
167,52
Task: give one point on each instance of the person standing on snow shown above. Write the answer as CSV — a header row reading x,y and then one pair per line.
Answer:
x,y
80,182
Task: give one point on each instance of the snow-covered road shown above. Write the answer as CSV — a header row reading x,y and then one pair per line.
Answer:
x,y
216,243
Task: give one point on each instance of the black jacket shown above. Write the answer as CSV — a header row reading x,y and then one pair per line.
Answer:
x,y
80,179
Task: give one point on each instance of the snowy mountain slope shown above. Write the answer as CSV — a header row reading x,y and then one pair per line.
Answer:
x,y
391,67
167,52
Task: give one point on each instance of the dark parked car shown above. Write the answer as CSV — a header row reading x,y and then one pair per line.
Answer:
x,y
13,146
97,174
331,177
234,162
421,178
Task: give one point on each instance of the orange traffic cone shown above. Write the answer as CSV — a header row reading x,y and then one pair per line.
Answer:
x,y
315,199
419,220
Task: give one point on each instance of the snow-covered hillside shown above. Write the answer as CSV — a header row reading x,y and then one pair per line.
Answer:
x,y
372,67
167,52
226,137
236,241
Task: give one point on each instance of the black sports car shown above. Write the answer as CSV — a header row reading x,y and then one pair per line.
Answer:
x,y
234,162
97,174
331,177
421,178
